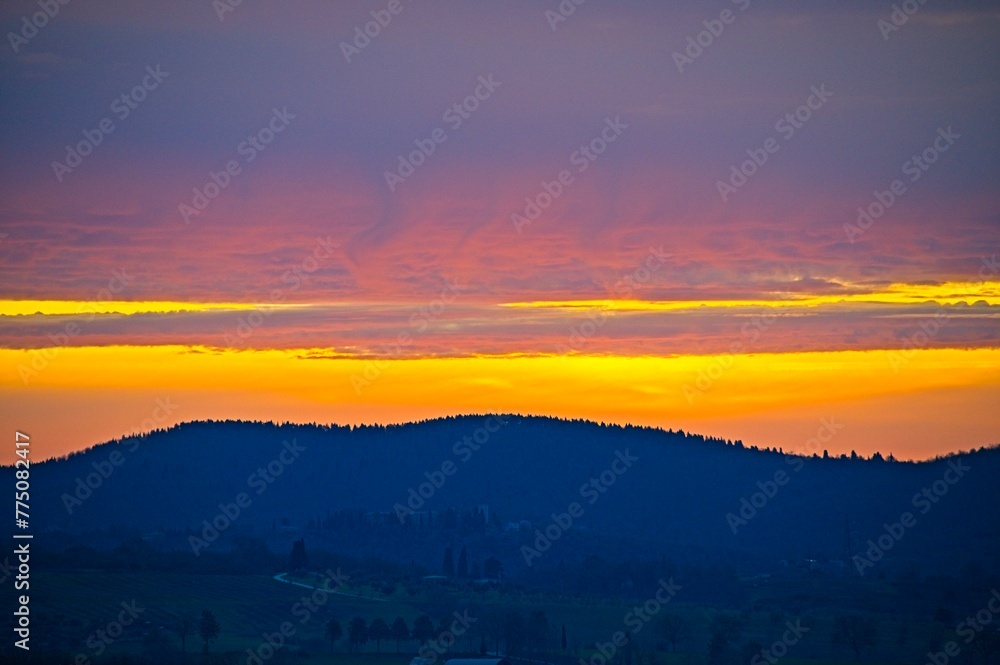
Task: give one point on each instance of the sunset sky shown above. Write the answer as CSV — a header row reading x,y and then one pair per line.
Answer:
x,y
260,212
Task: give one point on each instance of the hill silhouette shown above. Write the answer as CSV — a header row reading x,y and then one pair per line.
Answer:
x,y
400,491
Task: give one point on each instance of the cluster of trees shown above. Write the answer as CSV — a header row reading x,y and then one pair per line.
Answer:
x,y
298,559
467,519
492,567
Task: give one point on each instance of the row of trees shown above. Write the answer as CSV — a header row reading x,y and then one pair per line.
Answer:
x,y
510,631
466,520
360,632
512,634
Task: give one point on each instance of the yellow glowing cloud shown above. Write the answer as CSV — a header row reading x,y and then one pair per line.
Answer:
x,y
75,307
948,293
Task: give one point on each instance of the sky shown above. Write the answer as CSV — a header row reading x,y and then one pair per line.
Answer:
x,y
736,218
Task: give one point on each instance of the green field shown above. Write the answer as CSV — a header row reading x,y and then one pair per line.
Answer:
x,y
70,606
